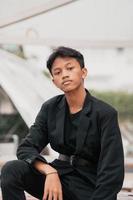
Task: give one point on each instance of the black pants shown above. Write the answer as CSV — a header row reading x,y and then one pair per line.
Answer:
x,y
17,177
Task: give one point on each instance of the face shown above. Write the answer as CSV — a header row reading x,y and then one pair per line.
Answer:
x,y
67,74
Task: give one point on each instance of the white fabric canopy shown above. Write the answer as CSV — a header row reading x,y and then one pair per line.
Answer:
x,y
81,23
27,87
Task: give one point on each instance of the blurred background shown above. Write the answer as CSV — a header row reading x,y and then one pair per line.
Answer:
x,y
29,30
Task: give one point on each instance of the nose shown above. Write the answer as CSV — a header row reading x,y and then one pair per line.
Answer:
x,y
65,74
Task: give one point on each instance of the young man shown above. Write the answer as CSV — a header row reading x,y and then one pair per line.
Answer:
x,y
85,133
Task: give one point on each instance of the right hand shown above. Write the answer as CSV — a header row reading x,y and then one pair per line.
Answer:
x,y
52,187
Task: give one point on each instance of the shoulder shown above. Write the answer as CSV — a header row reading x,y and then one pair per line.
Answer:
x,y
49,106
52,101
102,107
107,115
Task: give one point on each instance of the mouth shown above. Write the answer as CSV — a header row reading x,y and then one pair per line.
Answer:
x,y
66,82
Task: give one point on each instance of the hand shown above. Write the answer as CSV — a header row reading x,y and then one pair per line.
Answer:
x,y
52,187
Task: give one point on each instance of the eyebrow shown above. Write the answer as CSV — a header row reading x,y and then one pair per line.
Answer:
x,y
56,69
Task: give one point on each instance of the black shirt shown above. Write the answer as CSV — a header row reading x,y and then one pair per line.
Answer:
x,y
71,126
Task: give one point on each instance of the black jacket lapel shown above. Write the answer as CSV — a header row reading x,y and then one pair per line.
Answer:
x,y
84,123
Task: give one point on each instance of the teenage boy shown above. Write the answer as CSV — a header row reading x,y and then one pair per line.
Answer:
x,y
82,129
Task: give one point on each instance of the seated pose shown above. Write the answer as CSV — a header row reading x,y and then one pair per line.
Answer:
x,y
82,129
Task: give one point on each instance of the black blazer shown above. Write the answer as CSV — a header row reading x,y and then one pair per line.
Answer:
x,y
98,140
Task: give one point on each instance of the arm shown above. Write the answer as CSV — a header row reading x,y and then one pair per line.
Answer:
x,y
29,151
110,171
30,148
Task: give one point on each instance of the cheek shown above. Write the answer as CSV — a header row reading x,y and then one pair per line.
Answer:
x,y
78,77
56,82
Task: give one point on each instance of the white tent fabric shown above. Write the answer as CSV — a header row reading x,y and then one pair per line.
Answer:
x,y
21,10
27,87
83,23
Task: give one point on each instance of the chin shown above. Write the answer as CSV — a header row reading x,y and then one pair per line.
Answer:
x,y
66,90
69,88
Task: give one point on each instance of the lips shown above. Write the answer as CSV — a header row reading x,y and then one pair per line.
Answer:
x,y
66,82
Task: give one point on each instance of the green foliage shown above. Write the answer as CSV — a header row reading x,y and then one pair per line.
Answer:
x,y
122,101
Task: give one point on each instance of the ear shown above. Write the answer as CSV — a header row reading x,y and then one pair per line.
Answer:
x,y
84,72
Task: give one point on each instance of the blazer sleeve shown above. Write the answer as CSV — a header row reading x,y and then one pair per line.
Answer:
x,y
31,146
110,171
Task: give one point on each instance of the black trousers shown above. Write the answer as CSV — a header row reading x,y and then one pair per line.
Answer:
x,y
17,176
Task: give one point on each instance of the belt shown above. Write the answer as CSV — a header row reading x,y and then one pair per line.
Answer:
x,y
74,160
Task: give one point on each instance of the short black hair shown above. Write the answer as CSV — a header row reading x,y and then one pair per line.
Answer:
x,y
65,52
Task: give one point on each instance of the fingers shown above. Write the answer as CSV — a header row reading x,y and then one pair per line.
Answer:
x,y
55,196
60,195
52,196
45,195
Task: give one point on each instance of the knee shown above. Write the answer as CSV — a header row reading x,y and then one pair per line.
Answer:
x,y
11,172
11,167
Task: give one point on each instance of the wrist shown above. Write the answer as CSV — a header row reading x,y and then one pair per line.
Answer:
x,y
44,168
52,172
48,169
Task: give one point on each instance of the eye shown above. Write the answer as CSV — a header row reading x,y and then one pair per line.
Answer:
x,y
56,73
70,68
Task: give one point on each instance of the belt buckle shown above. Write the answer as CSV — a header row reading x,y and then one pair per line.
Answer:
x,y
72,159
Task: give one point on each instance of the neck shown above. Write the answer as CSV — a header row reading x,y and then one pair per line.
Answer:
x,y
75,99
